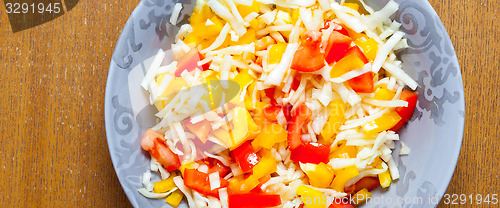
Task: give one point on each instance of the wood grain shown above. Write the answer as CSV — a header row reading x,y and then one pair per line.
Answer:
x,y
53,150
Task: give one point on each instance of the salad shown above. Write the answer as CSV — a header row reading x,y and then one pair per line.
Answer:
x,y
277,103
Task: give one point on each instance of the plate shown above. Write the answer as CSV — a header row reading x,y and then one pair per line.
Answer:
x,y
434,134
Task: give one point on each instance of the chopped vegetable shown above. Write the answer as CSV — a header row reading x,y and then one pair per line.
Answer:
x,y
200,182
253,200
337,47
302,113
383,123
309,58
311,153
342,176
154,143
320,175
406,112
245,156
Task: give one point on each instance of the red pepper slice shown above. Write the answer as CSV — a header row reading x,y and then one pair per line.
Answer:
x,y
295,84
311,153
252,200
358,52
189,62
337,47
245,156
155,144
302,113
368,183
287,111
362,83
309,58
406,112
199,182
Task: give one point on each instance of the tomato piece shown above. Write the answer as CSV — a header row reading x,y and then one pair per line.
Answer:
x,y
245,156
370,183
199,182
190,61
252,200
311,152
337,47
271,113
358,52
302,113
154,143
406,112
362,83
309,58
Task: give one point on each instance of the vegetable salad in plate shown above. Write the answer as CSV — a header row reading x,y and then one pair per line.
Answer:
x,y
277,103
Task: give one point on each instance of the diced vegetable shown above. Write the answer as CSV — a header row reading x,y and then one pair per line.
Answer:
x,y
265,167
342,176
240,185
216,166
309,58
243,127
189,62
406,112
312,198
269,135
348,63
344,151
383,123
253,200
362,83
276,52
335,120
200,182
154,143
199,129
302,113
320,175
164,185
271,113
311,153
384,94
361,196
337,47
245,156
175,198
385,179
369,46
357,51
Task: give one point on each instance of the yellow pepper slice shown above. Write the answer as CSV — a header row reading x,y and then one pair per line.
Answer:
x,y
346,64
335,120
164,185
361,196
175,198
312,198
342,176
188,165
270,134
276,53
320,175
246,10
239,185
243,127
369,46
383,123
385,179
243,79
266,166
345,152
384,94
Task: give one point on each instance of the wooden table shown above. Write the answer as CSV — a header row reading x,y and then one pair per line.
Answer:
x,y
53,150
